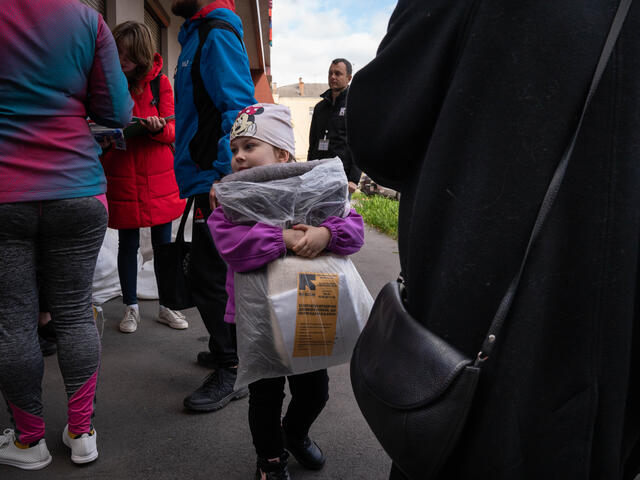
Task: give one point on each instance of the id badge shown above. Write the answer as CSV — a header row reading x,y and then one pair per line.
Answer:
x,y
323,145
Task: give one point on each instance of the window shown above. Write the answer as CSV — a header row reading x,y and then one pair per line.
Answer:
x,y
99,5
151,21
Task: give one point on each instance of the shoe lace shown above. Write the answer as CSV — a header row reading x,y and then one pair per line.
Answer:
x,y
212,380
172,314
7,436
274,469
131,316
278,475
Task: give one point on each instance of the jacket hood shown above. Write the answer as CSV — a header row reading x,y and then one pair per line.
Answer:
x,y
155,69
218,9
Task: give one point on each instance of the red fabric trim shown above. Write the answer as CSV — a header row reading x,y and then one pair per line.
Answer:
x,y
30,427
204,11
80,407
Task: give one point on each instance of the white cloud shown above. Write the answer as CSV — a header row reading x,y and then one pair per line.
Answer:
x,y
308,34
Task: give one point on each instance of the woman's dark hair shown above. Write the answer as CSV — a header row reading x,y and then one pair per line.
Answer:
x,y
134,39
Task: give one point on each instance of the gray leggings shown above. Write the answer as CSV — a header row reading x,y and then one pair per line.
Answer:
x,y
60,240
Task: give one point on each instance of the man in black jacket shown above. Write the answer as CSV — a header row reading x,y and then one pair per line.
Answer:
x,y
328,133
479,102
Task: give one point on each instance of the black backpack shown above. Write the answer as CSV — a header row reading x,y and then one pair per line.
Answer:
x,y
155,91
203,147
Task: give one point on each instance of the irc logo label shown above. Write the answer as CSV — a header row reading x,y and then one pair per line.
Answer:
x,y
306,282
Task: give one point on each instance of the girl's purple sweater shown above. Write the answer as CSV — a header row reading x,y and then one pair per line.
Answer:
x,y
248,247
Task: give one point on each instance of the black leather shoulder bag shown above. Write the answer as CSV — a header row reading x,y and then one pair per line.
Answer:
x,y
414,389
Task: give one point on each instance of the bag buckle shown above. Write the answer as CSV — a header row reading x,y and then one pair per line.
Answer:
x,y
482,357
485,353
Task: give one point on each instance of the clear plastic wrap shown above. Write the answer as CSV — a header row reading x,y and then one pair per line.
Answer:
x,y
285,194
294,315
298,315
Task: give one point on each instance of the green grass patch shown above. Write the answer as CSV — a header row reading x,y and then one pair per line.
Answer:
x,y
379,212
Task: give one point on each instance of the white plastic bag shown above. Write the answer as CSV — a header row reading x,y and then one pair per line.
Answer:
x,y
106,283
298,315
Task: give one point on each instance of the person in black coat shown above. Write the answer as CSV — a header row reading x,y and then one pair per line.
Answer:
x,y
479,102
328,132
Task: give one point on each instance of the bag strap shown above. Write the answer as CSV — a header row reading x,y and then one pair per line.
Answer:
x,y
154,85
221,24
183,221
203,147
505,305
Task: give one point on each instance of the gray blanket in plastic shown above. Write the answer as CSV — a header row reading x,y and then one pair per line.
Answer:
x,y
285,194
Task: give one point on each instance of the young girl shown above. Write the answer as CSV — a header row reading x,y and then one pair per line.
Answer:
x,y
263,135
141,184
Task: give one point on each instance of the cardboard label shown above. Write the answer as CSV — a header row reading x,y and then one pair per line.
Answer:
x,y
316,314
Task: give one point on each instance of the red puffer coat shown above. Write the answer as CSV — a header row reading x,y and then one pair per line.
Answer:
x,y
141,185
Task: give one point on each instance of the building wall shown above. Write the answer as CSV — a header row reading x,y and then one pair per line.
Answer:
x,y
118,11
301,113
171,46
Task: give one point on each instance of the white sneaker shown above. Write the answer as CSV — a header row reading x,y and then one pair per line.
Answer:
x,y
32,458
129,323
172,318
83,448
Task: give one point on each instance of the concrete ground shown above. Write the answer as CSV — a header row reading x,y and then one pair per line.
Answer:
x,y
144,432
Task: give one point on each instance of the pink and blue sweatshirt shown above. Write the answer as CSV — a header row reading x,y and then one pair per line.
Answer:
x,y
248,247
59,65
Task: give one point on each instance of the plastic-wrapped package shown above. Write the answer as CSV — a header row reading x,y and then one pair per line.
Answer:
x,y
285,194
298,315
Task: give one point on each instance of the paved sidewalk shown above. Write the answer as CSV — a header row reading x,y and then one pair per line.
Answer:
x,y
144,432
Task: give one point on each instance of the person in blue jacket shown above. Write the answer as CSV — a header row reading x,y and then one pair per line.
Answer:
x,y
212,84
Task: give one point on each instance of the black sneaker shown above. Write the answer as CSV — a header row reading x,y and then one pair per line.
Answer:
x,y
266,470
305,451
215,392
206,360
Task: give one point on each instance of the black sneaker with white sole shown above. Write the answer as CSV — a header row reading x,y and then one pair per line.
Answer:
x,y
273,470
215,392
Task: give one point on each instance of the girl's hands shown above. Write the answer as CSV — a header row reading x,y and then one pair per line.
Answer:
x,y
313,241
291,237
154,124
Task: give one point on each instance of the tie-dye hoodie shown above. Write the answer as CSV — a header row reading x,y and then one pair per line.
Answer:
x,y
59,65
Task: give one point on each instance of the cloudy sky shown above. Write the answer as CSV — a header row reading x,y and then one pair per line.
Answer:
x,y
308,34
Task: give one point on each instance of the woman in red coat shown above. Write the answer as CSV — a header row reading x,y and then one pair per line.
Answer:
x,y
141,185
